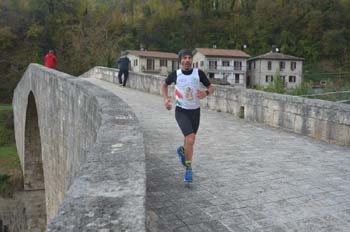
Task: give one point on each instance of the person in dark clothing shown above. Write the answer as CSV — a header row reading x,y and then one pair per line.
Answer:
x,y
123,65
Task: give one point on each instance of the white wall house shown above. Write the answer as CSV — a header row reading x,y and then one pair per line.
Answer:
x,y
261,69
152,61
227,64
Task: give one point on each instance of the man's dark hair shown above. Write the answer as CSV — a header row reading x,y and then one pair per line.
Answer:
x,y
184,52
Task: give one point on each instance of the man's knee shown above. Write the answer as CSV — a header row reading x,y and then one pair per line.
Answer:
x,y
190,139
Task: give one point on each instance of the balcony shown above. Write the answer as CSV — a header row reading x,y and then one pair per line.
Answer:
x,y
149,70
225,68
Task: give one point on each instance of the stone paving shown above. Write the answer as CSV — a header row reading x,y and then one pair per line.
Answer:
x,y
247,177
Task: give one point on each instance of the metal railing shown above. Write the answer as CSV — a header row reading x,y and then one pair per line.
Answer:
x,y
338,96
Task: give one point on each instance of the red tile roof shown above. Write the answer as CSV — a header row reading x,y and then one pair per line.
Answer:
x,y
153,54
222,52
276,56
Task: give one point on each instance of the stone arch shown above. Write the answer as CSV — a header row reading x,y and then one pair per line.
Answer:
x,y
33,164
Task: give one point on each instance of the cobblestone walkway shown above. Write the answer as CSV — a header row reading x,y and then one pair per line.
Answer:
x,y
247,177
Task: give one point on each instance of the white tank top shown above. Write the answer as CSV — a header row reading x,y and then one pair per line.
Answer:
x,y
186,90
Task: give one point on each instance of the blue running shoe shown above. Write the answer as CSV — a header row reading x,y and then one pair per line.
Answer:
x,y
188,176
181,155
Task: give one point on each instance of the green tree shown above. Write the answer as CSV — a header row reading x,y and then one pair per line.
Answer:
x,y
93,32
277,86
7,38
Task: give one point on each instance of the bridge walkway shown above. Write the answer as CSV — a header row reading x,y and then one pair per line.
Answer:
x,y
247,177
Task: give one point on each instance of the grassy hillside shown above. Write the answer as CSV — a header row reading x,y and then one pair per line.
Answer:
x,y
10,169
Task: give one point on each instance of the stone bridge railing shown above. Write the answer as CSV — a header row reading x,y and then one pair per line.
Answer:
x,y
327,121
84,147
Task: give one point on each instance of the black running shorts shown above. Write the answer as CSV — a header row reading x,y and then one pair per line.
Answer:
x,y
188,120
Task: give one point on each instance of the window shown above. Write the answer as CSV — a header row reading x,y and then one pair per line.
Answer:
x,y
225,63
196,64
225,76
269,65
268,78
150,64
237,78
282,65
249,65
211,75
254,64
212,64
163,63
238,65
135,62
284,81
292,78
202,63
293,65
174,65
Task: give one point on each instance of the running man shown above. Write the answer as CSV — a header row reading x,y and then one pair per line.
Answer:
x,y
188,92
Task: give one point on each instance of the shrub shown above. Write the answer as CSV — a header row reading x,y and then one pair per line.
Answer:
x,y
277,85
303,89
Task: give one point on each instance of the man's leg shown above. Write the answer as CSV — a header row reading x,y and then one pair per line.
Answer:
x,y
188,145
120,73
126,75
184,121
187,123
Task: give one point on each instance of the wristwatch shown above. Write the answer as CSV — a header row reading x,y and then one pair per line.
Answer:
x,y
207,91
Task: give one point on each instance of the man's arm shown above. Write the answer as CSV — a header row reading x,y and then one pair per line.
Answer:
x,y
210,89
170,79
167,99
204,93
164,89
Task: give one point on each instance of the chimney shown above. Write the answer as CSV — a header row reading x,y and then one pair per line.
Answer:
x,y
214,45
142,47
275,49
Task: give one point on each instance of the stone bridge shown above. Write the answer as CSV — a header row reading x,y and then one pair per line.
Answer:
x,y
105,157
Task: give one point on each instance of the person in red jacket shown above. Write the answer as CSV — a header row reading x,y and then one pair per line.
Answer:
x,y
50,59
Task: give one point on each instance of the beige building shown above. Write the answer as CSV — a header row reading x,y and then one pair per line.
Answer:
x,y
152,61
261,69
226,64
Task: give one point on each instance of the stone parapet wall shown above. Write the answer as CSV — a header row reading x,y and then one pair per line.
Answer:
x,y
24,211
11,214
323,120
92,152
